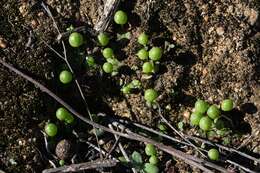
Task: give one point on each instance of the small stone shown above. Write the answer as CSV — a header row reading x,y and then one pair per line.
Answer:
x,y
23,9
186,114
64,149
2,43
220,31
34,24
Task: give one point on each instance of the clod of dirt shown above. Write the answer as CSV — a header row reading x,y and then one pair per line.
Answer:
x,y
64,149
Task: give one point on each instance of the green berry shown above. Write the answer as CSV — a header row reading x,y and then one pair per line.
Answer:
x,y
69,119
213,112
126,89
108,53
150,150
150,95
148,67
62,162
155,53
103,39
51,129
150,168
90,61
153,160
195,118
120,17
65,77
205,123
62,114
213,154
143,39
201,106
142,54
75,39
108,67
227,105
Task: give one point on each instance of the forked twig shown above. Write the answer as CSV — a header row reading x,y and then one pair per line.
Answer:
x,y
122,148
191,160
177,132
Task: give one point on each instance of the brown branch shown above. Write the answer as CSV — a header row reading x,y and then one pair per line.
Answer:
x,y
191,160
82,166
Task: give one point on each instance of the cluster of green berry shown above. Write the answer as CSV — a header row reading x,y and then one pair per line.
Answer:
x,y
213,112
153,160
112,65
62,114
136,160
154,54
211,121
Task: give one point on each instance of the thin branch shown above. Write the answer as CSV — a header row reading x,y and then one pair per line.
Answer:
x,y
177,132
122,149
46,8
240,166
82,166
155,132
203,162
93,146
191,160
224,148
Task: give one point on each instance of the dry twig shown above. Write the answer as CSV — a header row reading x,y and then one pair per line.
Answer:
x,y
191,160
82,166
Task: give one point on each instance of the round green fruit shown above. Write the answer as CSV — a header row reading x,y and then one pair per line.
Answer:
x,y
227,105
150,95
51,129
142,39
120,17
103,39
213,112
213,154
195,118
75,39
142,54
155,53
201,106
205,123
108,67
150,168
65,77
150,150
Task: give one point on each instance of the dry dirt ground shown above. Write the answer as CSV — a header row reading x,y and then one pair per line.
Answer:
x,y
216,56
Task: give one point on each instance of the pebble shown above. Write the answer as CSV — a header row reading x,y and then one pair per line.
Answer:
x,y
64,149
2,43
220,31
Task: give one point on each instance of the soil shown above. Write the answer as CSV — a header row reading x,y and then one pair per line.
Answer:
x,y
215,56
